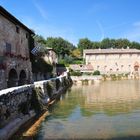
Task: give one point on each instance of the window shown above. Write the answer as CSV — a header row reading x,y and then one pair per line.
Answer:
x,y
1,60
27,35
8,48
17,29
98,67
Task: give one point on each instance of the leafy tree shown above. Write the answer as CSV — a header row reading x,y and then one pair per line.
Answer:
x,y
113,43
122,43
106,43
135,45
96,45
40,39
60,46
84,43
76,53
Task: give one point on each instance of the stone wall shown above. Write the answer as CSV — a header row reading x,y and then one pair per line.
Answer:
x,y
107,63
19,104
13,102
14,52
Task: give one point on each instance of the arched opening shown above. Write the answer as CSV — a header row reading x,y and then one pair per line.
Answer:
x,y
22,78
136,66
12,78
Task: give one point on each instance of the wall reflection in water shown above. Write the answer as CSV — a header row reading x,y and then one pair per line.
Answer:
x,y
108,110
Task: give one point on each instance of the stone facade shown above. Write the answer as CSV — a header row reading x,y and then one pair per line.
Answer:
x,y
112,61
48,55
15,65
51,58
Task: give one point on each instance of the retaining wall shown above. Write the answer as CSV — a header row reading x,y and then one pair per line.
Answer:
x,y
19,104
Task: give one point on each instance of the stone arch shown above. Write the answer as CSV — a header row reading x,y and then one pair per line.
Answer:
x,y
22,78
12,78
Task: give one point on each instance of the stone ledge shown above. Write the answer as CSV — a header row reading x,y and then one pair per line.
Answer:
x,y
13,126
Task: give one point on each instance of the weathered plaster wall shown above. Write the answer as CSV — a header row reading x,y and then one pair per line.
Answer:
x,y
113,63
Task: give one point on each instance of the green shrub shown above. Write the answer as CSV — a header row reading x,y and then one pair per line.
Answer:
x,y
104,76
57,84
76,73
65,82
113,76
87,73
126,75
85,81
49,88
35,100
96,72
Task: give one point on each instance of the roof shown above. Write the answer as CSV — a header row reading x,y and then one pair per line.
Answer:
x,y
111,51
14,20
42,47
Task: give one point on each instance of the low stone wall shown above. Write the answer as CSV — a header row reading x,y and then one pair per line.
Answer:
x,y
86,79
19,104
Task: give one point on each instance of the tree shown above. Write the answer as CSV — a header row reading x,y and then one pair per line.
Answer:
x,y
40,39
84,43
135,45
60,46
122,43
76,53
106,43
113,43
96,45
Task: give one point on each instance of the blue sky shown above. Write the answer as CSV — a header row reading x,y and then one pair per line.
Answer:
x,y
75,19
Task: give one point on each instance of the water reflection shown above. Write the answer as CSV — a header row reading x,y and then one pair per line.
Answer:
x,y
110,109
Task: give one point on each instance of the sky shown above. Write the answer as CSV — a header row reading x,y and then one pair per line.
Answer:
x,y
76,19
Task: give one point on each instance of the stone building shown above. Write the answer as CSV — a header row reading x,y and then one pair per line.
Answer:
x,y
112,61
15,65
50,56
44,62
